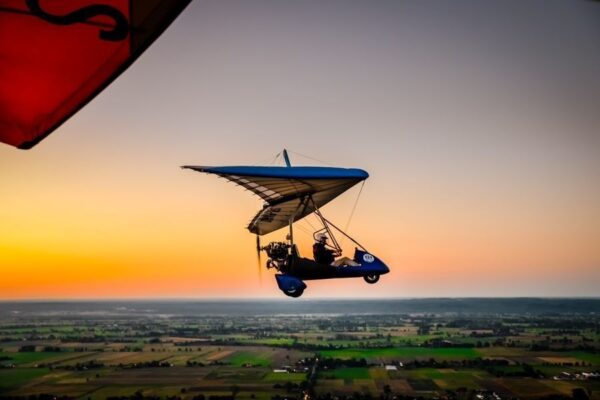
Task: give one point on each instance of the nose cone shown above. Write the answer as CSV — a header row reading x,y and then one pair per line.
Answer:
x,y
384,268
370,262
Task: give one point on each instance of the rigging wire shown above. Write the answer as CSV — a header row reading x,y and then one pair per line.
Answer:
x,y
353,210
354,206
303,229
268,161
308,222
310,158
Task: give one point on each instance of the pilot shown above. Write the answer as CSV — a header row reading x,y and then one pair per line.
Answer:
x,y
326,256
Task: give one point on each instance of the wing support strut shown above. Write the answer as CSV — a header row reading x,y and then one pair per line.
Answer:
x,y
327,225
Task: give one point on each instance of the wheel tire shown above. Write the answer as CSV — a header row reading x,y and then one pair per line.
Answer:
x,y
371,278
294,292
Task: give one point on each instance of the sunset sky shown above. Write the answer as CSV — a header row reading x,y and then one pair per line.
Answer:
x,y
478,122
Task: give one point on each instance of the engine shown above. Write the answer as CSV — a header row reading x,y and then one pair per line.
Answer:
x,y
278,254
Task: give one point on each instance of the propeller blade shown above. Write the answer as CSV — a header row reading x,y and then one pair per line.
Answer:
x,y
258,249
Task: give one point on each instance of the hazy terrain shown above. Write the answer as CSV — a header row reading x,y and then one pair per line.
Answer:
x,y
522,306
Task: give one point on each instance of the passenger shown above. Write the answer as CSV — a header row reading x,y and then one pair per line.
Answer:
x,y
326,256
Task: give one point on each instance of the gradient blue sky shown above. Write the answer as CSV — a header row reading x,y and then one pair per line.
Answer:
x,y
478,122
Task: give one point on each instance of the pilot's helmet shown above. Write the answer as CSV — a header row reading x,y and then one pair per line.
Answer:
x,y
321,237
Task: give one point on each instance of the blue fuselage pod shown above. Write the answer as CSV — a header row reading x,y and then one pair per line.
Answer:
x,y
288,283
308,269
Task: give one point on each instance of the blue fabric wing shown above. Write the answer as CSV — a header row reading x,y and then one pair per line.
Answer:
x,y
290,193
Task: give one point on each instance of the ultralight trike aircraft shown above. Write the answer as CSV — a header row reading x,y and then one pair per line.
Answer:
x,y
290,194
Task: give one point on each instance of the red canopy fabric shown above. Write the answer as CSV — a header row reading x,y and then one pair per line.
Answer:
x,y
55,56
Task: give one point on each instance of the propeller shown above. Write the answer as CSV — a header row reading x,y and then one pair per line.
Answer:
x,y
258,249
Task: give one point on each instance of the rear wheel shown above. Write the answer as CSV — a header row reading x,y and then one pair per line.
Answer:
x,y
294,292
371,278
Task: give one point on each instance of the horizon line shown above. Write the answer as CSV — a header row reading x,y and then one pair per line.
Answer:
x,y
234,299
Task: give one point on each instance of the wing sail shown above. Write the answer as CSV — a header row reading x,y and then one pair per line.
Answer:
x,y
290,193
55,56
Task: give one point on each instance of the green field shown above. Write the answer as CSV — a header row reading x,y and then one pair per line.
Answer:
x,y
284,377
21,358
13,378
593,358
403,353
241,358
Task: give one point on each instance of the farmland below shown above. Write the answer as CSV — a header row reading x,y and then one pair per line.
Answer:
x,y
396,349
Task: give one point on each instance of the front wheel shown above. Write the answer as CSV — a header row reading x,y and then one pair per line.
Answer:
x,y
371,278
294,292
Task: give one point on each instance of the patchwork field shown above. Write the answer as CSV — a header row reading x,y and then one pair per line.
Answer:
x,y
429,356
